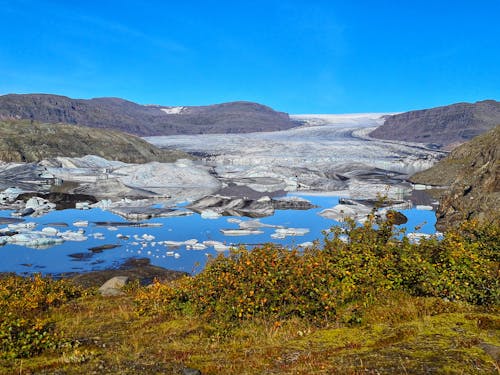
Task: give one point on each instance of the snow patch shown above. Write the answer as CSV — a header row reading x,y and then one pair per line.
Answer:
x,y
173,110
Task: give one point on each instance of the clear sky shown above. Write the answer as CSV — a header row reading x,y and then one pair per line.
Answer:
x,y
295,56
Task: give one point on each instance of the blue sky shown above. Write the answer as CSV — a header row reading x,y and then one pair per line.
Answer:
x,y
295,56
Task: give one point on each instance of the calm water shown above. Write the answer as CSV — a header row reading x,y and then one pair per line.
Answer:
x,y
75,256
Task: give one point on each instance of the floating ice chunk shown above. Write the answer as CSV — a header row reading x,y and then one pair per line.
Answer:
x,y
198,246
50,231
40,204
72,236
417,237
424,207
177,255
306,244
191,242
291,232
221,247
103,204
240,232
82,205
112,228
173,243
210,214
98,236
81,223
33,240
148,237
22,226
169,253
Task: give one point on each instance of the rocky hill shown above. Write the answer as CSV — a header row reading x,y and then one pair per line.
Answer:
x,y
472,174
445,126
27,141
144,120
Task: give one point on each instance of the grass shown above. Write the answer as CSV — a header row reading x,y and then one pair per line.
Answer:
x,y
106,335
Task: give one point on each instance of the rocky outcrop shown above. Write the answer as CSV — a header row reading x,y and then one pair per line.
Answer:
x,y
445,126
144,120
472,174
24,141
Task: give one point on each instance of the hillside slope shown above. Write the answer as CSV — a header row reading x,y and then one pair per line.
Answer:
x,y
144,120
446,126
23,141
472,172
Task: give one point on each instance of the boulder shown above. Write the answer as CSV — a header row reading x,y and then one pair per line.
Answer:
x,y
113,286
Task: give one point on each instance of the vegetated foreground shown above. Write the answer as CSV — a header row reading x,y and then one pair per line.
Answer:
x,y
366,302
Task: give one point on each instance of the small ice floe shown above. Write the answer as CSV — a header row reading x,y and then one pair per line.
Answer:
x,y
50,231
177,255
417,237
20,227
240,232
122,236
191,242
134,243
210,242
112,229
221,247
281,233
210,214
173,243
40,205
169,253
33,240
424,207
98,236
341,212
82,205
421,187
103,204
306,244
72,236
81,223
198,246
148,237
255,224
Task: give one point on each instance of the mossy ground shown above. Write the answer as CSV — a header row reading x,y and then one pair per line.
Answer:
x,y
423,335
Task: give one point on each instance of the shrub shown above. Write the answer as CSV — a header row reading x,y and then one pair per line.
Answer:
x,y
338,281
25,328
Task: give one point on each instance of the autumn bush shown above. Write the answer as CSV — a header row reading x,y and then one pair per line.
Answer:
x,y
337,281
25,324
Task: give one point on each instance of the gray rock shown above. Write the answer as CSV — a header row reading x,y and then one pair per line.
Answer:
x,y
190,371
113,286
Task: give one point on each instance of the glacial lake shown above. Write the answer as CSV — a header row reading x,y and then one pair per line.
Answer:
x,y
72,256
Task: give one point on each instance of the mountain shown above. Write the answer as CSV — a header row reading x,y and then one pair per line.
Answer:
x,y
472,174
23,140
446,126
144,120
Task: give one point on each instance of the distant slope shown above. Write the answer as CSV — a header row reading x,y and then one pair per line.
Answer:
x,y
21,140
144,120
472,172
447,126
